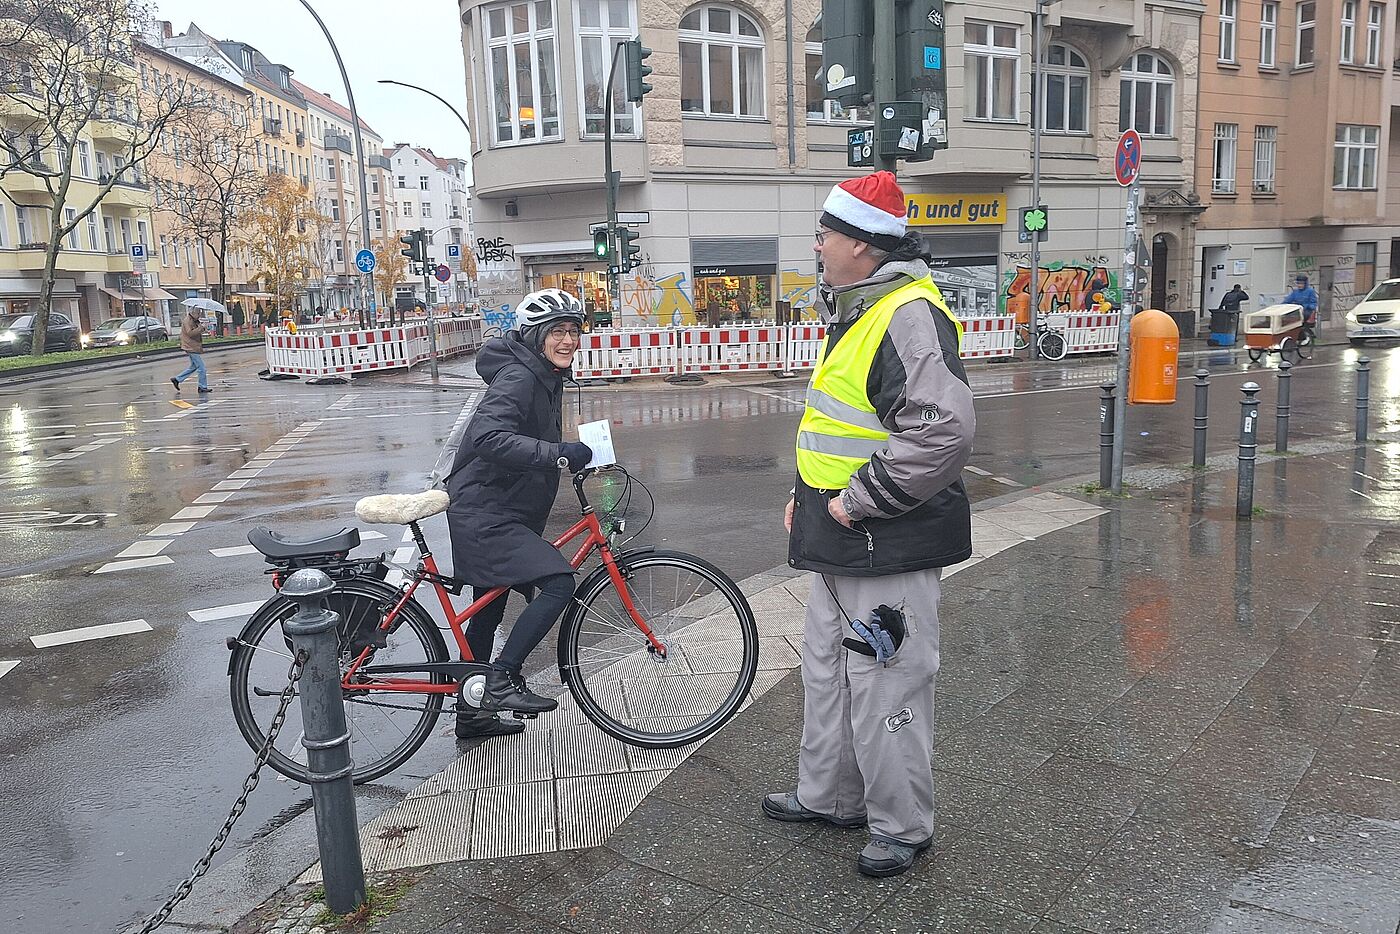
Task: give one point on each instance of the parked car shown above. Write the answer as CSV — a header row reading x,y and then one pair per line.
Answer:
x,y
119,332
17,334
1378,314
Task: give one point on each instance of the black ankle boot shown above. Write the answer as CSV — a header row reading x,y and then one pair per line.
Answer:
x,y
506,690
476,724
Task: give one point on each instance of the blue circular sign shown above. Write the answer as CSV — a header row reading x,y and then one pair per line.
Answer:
x,y
364,261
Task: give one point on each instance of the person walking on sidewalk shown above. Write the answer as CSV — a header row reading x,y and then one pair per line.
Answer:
x,y
192,343
502,485
877,511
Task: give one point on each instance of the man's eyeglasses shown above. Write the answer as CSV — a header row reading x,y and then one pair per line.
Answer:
x,y
561,333
820,235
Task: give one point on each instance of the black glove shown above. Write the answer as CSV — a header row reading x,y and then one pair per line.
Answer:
x,y
576,453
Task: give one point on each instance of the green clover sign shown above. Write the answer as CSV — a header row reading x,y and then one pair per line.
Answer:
x,y
1036,220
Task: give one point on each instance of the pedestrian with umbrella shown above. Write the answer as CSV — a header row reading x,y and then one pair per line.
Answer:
x,y
192,341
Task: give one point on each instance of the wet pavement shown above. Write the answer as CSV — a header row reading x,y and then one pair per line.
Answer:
x,y
118,756
1156,720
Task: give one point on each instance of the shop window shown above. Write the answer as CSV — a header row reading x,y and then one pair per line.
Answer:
x,y
722,63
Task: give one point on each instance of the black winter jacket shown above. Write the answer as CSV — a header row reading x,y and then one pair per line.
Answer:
x,y
506,473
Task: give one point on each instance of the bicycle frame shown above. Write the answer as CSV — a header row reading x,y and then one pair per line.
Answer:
x,y
427,570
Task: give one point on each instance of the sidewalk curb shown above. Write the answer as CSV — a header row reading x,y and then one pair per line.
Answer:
x,y
46,371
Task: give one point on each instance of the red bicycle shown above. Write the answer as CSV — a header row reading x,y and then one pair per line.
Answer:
x,y
658,648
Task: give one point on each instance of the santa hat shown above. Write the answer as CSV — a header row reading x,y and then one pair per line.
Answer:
x,y
870,209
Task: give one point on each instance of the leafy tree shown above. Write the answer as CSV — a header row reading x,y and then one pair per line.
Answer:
x,y
280,232
68,78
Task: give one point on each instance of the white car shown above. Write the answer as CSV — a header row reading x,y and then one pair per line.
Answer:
x,y
1377,315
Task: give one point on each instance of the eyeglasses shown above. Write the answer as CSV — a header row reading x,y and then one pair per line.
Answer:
x,y
820,235
561,333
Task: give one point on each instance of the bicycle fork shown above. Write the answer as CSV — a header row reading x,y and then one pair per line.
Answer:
x,y
625,595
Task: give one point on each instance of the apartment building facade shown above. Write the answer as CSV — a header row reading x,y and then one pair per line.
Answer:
x,y
335,180
1297,112
431,192
729,159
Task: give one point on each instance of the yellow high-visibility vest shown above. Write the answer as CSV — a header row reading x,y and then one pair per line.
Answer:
x,y
840,431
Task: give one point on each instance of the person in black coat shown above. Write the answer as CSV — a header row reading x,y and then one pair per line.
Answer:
x,y
502,485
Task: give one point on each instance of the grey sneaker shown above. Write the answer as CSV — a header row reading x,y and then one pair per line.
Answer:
x,y
883,857
784,806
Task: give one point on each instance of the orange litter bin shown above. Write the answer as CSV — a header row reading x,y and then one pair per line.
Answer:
x,y
1155,341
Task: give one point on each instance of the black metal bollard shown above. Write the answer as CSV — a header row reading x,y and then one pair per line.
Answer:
x,y
1363,398
1106,434
327,740
1285,378
1249,445
1198,447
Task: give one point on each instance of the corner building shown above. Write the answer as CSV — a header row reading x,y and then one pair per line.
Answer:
x,y
733,152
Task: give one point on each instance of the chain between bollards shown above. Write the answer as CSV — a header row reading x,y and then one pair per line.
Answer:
x,y
1198,447
1106,414
1249,446
1282,408
1363,398
327,739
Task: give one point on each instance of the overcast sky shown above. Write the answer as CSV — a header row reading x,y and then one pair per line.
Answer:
x,y
418,41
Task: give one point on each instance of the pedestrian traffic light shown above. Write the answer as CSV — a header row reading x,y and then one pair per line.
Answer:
x,y
627,249
635,55
600,244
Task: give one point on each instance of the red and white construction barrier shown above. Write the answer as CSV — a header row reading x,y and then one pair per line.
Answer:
x,y
992,336
731,350
1091,332
804,345
622,353
320,352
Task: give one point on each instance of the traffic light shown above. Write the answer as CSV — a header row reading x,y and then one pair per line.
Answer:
x,y
416,245
627,249
600,244
634,55
1035,224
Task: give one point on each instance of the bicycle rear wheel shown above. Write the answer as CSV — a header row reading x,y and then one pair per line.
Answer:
x,y
1052,345
628,689
386,727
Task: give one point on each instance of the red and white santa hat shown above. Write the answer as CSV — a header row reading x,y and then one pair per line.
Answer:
x,y
870,208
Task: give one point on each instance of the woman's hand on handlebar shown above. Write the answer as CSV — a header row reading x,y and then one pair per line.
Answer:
x,y
574,455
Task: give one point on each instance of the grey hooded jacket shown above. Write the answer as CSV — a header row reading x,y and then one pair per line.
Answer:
x,y
910,509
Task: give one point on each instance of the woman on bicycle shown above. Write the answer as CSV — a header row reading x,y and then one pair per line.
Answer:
x,y
502,486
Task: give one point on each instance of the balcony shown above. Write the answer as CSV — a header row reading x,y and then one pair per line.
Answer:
x,y
27,257
1120,13
277,170
272,127
339,141
379,161
112,128
19,182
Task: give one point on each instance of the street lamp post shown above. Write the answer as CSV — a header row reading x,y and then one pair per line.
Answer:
x,y
366,280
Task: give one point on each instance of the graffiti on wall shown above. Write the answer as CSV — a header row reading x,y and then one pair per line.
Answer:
x,y
494,251
658,302
498,316
1064,287
799,288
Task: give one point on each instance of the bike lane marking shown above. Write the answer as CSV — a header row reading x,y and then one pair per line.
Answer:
x,y
7,666
88,633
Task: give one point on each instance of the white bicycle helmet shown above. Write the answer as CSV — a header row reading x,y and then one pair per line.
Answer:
x,y
547,306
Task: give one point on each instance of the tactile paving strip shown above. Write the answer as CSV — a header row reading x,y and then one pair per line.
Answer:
x,y
514,820
591,808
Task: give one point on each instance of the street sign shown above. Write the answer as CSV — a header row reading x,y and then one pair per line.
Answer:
x,y
1035,224
454,256
860,147
138,259
442,273
364,261
1128,159
138,251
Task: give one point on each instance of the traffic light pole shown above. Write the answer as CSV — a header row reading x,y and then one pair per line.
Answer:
x,y
427,306
1037,115
885,90
611,179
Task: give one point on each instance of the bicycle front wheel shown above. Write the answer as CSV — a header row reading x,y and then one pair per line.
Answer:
x,y
386,727
1052,345
641,696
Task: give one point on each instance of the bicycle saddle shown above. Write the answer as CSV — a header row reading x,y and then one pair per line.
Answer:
x,y
273,545
401,508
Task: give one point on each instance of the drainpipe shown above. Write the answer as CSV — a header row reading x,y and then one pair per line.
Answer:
x,y
791,105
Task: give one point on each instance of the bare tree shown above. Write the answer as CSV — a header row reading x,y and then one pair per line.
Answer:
x,y
67,70
209,177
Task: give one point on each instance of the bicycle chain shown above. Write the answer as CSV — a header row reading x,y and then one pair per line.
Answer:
x,y
183,890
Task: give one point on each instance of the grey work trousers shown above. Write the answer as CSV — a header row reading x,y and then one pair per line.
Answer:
x,y
867,730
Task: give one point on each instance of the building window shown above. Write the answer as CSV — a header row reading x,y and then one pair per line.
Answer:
x,y
400,182
1354,157
200,253
1226,152
1146,88
407,209
422,183
1268,34
378,219
1229,10
91,231
1066,100
84,162
141,232
1307,34
722,69
164,251
427,209
1375,25
126,235
601,25
1265,158
109,234
522,71
1365,268
70,217
991,67
339,251
374,184
1348,52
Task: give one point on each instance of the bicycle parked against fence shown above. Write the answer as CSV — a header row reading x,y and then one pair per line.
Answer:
x,y
1050,341
658,648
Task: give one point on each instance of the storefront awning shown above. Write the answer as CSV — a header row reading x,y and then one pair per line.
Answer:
x,y
139,295
251,294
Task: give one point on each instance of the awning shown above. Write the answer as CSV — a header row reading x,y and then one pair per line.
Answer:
x,y
138,295
251,294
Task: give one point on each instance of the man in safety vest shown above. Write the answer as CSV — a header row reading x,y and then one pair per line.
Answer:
x,y
878,510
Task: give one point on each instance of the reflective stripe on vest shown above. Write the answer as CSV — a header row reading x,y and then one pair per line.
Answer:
x,y
840,430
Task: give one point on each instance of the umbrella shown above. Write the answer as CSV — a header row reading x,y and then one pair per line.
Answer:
x,y
204,304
